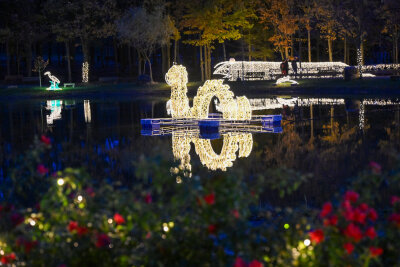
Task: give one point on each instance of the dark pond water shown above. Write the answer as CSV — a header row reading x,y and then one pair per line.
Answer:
x,y
330,138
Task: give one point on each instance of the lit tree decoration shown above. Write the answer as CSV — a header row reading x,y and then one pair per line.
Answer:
x,y
361,117
237,109
359,61
54,81
85,72
39,66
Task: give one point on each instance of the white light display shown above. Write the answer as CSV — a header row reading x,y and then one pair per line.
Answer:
x,y
177,78
54,81
55,107
361,117
359,61
268,70
87,111
85,72
232,142
286,79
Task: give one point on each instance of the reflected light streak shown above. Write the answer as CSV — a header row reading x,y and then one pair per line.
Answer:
x,y
55,107
87,111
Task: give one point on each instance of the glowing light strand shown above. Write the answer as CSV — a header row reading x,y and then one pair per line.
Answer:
x,y
85,72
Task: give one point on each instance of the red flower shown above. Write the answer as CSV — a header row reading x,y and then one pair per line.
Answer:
x,y
359,216
72,226
317,236
395,218
239,262
353,231
90,191
370,232
209,199
45,140
119,219
372,215
235,214
148,199
29,245
364,207
103,240
42,170
255,263
375,167
333,220
17,219
394,200
212,228
6,259
81,230
375,251
326,209
349,247
351,196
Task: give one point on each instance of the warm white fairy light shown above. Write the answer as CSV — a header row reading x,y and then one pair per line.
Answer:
x,y
359,61
286,79
87,111
60,181
307,242
361,117
55,107
85,72
268,70
177,78
232,142
79,198
54,81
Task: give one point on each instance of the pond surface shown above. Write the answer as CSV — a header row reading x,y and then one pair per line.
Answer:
x,y
330,138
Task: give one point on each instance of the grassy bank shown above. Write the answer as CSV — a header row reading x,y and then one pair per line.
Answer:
x,y
334,87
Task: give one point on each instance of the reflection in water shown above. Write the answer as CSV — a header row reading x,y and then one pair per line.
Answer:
x,y
88,113
55,107
232,142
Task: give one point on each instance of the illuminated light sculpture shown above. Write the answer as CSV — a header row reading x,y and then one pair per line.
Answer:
x,y
359,61
85,72
54,81
178,106
361,117
87,111
55,107
268,70
286,79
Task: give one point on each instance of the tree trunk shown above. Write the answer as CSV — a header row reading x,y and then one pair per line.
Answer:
x,y
40,79
395,46
164,62
345,49
286,52
130,64
209,62
201,63
309,44
116,56
28,59
176,50
150,70
362,51
169,54
281,51
68,55
249,48
330,49
224,50
8,55
49,51
318,44
18,57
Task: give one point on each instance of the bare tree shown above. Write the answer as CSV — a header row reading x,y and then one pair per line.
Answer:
x,y
146,31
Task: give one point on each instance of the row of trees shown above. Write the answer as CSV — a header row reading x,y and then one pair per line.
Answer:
x,y
259,29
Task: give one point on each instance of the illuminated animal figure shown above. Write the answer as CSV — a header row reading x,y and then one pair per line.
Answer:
x,y
54,81
231,108
178,106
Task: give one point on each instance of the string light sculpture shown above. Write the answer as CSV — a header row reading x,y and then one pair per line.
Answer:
x,y
85,72
87,111
268,70
55,107
286,79
177,78
361,117
54,81
232,142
